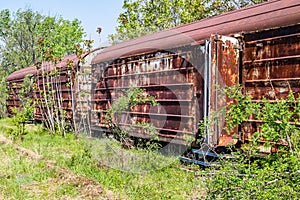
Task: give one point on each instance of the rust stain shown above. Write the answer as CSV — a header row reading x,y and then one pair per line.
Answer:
x,y
224,73
169,76
271,70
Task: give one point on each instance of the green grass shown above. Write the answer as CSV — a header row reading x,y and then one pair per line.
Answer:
x,y
129,174
25,178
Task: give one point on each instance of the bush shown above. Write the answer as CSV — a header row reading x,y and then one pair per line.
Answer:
x,y
250,176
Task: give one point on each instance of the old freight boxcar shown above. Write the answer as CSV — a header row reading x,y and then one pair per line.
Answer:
x,y
15,83
83,86
61,89
257,47
67,84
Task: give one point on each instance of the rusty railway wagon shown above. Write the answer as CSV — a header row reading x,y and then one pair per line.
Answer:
x,y
14,85
257,47
69,83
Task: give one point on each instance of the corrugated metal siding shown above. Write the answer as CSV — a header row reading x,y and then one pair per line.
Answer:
x,y
172,77
54,81
178,79
271,67
14,83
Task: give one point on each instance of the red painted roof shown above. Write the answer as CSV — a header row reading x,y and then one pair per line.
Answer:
x,y
22,73
266,15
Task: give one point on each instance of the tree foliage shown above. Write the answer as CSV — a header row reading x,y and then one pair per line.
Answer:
x,y
26,36
3,94
141,17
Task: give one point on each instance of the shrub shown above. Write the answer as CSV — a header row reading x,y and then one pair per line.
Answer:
x,y
250,176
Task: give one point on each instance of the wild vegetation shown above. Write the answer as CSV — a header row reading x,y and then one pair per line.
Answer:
x,y
120,108
23,115
251,175
103,167
138,173
85,158
30,38
23,31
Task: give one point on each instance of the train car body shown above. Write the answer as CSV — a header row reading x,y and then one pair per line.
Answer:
x,y
15,83
62,88
83,87
54,89
183,67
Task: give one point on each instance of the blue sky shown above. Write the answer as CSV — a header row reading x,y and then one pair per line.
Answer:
x,y
91,13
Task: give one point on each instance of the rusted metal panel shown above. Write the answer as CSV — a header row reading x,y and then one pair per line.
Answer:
x,y
271,68
223,72
179,80
54,89
14,83
172,77
66,86
262,71
267,15
272,45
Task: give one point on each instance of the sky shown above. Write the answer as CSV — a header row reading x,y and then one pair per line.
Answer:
x,y
91,13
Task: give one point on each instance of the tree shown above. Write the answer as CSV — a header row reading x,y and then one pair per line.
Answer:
x,y
27,38
23,32
141,17
3,94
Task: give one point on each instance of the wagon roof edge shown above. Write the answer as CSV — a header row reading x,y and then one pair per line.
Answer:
x,y
266,15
